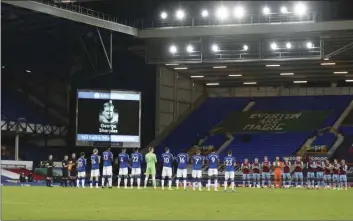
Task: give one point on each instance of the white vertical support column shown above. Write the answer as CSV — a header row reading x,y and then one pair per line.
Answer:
x,y
17,143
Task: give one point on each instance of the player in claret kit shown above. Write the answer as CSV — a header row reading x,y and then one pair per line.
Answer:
x,y
229,163
286,173
123,167
167,170
213,161
95,161
320,174
311,165
298,172
197,162
256,173
107,168
327,174
81,170
182,173
266,176
245,167
136,160
336,174
343,175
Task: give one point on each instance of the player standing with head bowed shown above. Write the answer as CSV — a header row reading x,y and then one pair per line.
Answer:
x,y
320,173
286,172
256,173
245,167
311,165
107,168
266,167
298,172
95,161
182,173
151,161
327,174
136,160
213,161
229,163
336,174
343,175
167,170
81,170
197,162
123,167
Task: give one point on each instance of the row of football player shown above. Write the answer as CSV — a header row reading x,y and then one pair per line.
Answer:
x,y
339,170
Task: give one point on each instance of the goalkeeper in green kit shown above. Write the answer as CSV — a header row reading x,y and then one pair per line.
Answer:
x,y
151,161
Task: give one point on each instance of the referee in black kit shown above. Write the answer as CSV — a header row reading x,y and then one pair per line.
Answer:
x,y
49,165
65,171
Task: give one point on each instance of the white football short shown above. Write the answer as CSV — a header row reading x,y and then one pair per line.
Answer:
x,y
107,170
95,173
182,173
167,172
123,171
81,174
229,175
135,171
212,172
196,174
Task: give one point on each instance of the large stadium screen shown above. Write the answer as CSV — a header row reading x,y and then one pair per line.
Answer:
x,y
108,118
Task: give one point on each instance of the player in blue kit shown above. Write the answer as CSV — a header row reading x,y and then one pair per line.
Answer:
x,y
183,160
213,161
81,170
167,171
136,160
123,167
197,162
229,163
107,168
95,161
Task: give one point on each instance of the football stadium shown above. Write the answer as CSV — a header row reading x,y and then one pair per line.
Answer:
x,y
176,110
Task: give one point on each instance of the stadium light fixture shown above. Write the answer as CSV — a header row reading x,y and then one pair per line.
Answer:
x,y
204,13
273,65
286,74
340,72
250,83
180,14
274,46
197,76
266,10
245,47
212,84
171,64
181,68
349,80
288,45
284,10
300,9
2,67
328,63
219,67
309,45
173,49
300,82
239,12
164,15
28,71
190,48
222,13
215,48
326,59
235,75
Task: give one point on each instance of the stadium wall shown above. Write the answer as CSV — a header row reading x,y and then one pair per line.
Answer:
x,y
175,95
277,91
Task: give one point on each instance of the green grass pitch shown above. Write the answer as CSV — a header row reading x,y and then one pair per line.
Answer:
x,y
41,203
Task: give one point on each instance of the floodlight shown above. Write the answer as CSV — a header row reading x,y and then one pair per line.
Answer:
x,y
288,45
309,45
180,14
164,15
189,48
239,12
300,82
215,48
212,84
173,49
204,13
28,71
266,10
245,47
274,46
222,13
340,72
284,10
300,9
